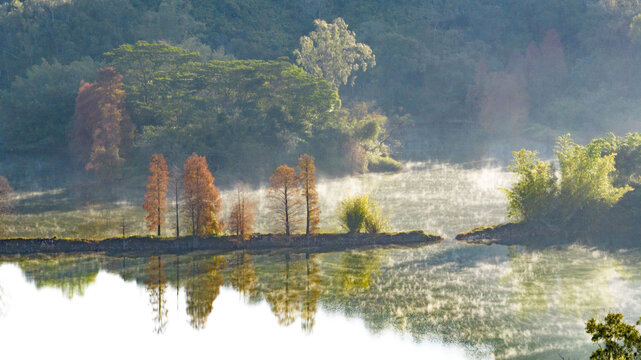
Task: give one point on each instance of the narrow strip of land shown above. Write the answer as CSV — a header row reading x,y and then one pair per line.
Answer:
x,y
326,242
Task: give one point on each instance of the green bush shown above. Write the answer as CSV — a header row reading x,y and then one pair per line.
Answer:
x,y
586,186
531,198
584,191
376,222
352,213
359,212
383,164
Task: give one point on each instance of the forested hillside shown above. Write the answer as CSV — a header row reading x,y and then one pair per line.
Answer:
x,y
449,77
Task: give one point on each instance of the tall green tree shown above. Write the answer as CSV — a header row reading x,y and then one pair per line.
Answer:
x,y
331,52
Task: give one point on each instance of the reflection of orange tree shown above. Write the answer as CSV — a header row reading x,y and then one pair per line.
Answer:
x,y
157,286
243,275
311,293
202,289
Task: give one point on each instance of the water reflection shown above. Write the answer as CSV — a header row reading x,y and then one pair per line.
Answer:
x,y
72,275
311,293
357,270
517,302
202,288
242,276
156,284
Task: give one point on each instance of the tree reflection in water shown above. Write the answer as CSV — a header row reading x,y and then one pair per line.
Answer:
x,y
357,269
202,287
311,293
71,274
157,286
482,296
242,275
283,289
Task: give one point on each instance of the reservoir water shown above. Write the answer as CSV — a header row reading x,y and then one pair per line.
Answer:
x,y
446,301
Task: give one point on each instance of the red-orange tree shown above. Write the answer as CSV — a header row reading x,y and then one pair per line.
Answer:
x,y
241,218
203,203
156,196
102,130
284,195
307,176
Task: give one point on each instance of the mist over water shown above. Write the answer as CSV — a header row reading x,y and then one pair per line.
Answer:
x,y
438,198
447,301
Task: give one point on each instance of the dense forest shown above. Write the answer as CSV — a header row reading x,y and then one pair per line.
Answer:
x,y
448,78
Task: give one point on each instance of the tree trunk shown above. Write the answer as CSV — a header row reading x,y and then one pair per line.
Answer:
x,y
286,214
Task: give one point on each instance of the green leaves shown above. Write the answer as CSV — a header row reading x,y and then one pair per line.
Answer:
x,y
359,212
583,192
586,185
221,107
531,198
620,340
331,52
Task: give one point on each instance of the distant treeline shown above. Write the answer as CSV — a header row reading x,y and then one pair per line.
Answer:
x,y
563,65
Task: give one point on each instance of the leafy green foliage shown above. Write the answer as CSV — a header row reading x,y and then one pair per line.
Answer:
x,y
627,158
586,186
620,340
360,212
584,190
383,164
227,110
352,213
376,222
38,108
331,52
532,197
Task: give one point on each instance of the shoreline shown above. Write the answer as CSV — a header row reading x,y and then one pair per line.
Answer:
x,y
324,242
529,235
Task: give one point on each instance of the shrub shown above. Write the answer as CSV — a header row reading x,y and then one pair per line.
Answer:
x,y
376,222
359,212
531,198
352,213
584,191
383,164
586,185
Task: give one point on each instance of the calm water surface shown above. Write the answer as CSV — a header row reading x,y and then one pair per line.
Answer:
x,y
446,301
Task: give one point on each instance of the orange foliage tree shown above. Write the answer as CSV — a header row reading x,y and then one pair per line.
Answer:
x,y
156,196
307,176
284,195
202,199
241,218
102,130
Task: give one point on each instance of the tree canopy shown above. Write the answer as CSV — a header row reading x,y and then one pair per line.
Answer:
x,y
331,52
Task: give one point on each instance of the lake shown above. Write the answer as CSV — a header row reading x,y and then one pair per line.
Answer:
x,y
446,301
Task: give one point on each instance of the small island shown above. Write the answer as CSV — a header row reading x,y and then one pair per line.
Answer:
x,y
593,199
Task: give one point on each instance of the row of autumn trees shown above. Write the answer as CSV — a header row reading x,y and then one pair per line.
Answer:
x,y
293,198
